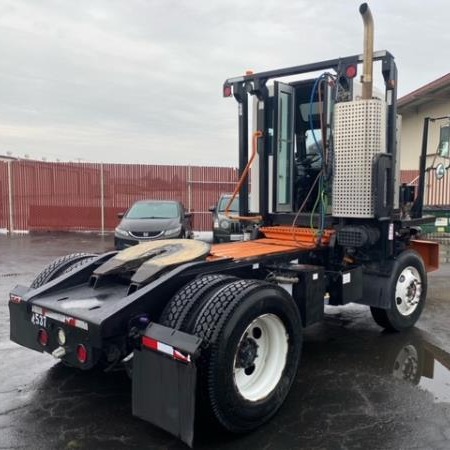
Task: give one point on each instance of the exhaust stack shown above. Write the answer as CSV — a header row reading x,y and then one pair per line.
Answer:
x,y
359,139
367,77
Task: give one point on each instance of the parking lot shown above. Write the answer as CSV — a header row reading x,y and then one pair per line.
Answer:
x,y
357,387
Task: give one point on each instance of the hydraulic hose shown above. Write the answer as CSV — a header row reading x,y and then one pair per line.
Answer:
x,y
256,135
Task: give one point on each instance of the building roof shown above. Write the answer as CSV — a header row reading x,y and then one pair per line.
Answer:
x,y
426,93
7,158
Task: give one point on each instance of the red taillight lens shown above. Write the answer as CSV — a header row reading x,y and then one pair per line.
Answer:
x,y
227,91
351,71
82,353
43,337
13,298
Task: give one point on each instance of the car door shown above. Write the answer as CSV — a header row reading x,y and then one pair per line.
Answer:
x,y
284,147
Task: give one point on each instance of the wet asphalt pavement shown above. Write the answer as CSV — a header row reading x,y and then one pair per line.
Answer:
x,y
357,387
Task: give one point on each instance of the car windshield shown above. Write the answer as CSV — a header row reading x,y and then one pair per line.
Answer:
x,y
153,210
224,202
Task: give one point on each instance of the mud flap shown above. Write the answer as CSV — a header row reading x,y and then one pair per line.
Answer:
x,y
164,380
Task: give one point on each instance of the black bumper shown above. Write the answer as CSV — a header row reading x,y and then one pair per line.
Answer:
x,y
121,243
26,333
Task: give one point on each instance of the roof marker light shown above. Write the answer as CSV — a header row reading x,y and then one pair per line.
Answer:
x,y
351,71
227,91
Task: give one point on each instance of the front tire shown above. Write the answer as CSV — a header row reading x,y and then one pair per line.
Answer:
x,y
252,332
407,290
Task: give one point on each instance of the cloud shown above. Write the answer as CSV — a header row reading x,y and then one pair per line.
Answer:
x,y
140,81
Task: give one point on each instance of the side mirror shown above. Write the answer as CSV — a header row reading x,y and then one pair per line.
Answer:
x,y
440,171
212,208
120,215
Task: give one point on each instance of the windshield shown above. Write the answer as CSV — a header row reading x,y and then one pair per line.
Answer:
x,y
150,210
234,205
312,150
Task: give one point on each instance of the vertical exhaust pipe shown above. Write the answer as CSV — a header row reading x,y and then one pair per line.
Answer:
x,y
367,77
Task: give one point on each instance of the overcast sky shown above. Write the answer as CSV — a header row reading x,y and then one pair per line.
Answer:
x,y
140,81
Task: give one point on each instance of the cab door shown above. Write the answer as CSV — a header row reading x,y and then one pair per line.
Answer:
x,y
283,174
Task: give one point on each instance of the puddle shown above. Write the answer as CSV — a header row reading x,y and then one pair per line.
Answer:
x,y
409,356
423,364
439,385
435,376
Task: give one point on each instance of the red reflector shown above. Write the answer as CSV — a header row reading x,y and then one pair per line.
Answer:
x,y
43,337
227,91
71,321
149,343
13,298
153,344
82,354
351,71
181,357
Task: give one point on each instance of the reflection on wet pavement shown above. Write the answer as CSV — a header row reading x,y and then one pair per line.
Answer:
x,y
435,376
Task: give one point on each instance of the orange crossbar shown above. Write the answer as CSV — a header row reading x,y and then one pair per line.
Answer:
x,y
297,234
278,240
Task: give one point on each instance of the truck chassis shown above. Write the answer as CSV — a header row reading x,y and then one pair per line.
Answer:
x,y
216,331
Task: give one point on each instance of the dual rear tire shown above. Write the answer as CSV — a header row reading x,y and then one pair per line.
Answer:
x,y
252,340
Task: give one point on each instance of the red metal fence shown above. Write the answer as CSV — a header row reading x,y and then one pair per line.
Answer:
x,y
437,192
78,196
4,197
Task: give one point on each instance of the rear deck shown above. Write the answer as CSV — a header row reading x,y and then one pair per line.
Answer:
x,y
277,240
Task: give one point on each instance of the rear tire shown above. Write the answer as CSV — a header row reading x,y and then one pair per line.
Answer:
x,y
60,266
252,336
181,311
407,290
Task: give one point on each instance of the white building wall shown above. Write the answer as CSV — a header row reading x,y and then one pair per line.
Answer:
x,y
412,128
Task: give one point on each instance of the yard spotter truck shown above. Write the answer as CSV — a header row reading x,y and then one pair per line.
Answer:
x,y
216,331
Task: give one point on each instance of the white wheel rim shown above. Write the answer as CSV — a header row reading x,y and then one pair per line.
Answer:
x,y
267,335
408,291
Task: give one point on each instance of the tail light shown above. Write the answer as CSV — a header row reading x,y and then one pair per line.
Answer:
x,y
43,337
82,354
13,298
